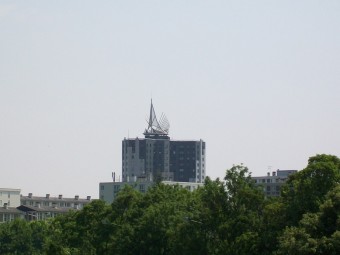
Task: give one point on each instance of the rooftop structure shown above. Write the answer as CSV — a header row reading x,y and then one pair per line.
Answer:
x,y
157,128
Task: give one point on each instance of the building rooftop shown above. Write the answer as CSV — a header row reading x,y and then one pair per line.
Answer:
x,y
9,189
9,210
278,173
28,208
56,199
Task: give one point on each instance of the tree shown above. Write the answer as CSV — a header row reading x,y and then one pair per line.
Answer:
x,y
16,238
230,213
306,190
317,233
245,203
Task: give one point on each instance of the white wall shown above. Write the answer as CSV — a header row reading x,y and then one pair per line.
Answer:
x,y
10,196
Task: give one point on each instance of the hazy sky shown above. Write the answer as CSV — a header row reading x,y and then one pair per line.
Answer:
x,y
258,81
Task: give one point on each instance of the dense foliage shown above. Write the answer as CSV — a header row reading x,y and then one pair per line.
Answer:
x,y
229,216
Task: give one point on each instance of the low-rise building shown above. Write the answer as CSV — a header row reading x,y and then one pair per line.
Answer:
x,y
55,202
109,190
13,205
37,212
272,183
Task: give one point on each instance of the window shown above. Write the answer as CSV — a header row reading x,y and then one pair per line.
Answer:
x,y
6,217
142,188
102,187
115,189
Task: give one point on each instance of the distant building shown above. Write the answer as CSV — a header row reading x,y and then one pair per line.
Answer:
x,y
109,190
54,202
37,212
158,157
13,205
42,208
9,200
273,182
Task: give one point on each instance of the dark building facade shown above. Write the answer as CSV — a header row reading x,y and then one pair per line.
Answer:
x,y
169,160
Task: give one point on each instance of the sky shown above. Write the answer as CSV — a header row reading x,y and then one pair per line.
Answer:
x,y
258,81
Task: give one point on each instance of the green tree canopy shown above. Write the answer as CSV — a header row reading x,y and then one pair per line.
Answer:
x,y
306,190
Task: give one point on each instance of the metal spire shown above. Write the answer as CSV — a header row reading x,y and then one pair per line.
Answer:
x,y
155,126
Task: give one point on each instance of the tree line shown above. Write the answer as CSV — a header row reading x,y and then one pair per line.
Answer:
x,y
225,216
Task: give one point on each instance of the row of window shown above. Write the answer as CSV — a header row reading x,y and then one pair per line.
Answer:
x,y
276,180
46,203
274,188
4,194
5,217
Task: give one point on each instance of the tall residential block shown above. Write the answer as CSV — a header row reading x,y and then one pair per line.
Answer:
x,y
156,156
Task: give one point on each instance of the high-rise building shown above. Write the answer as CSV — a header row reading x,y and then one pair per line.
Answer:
x,y
156,156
